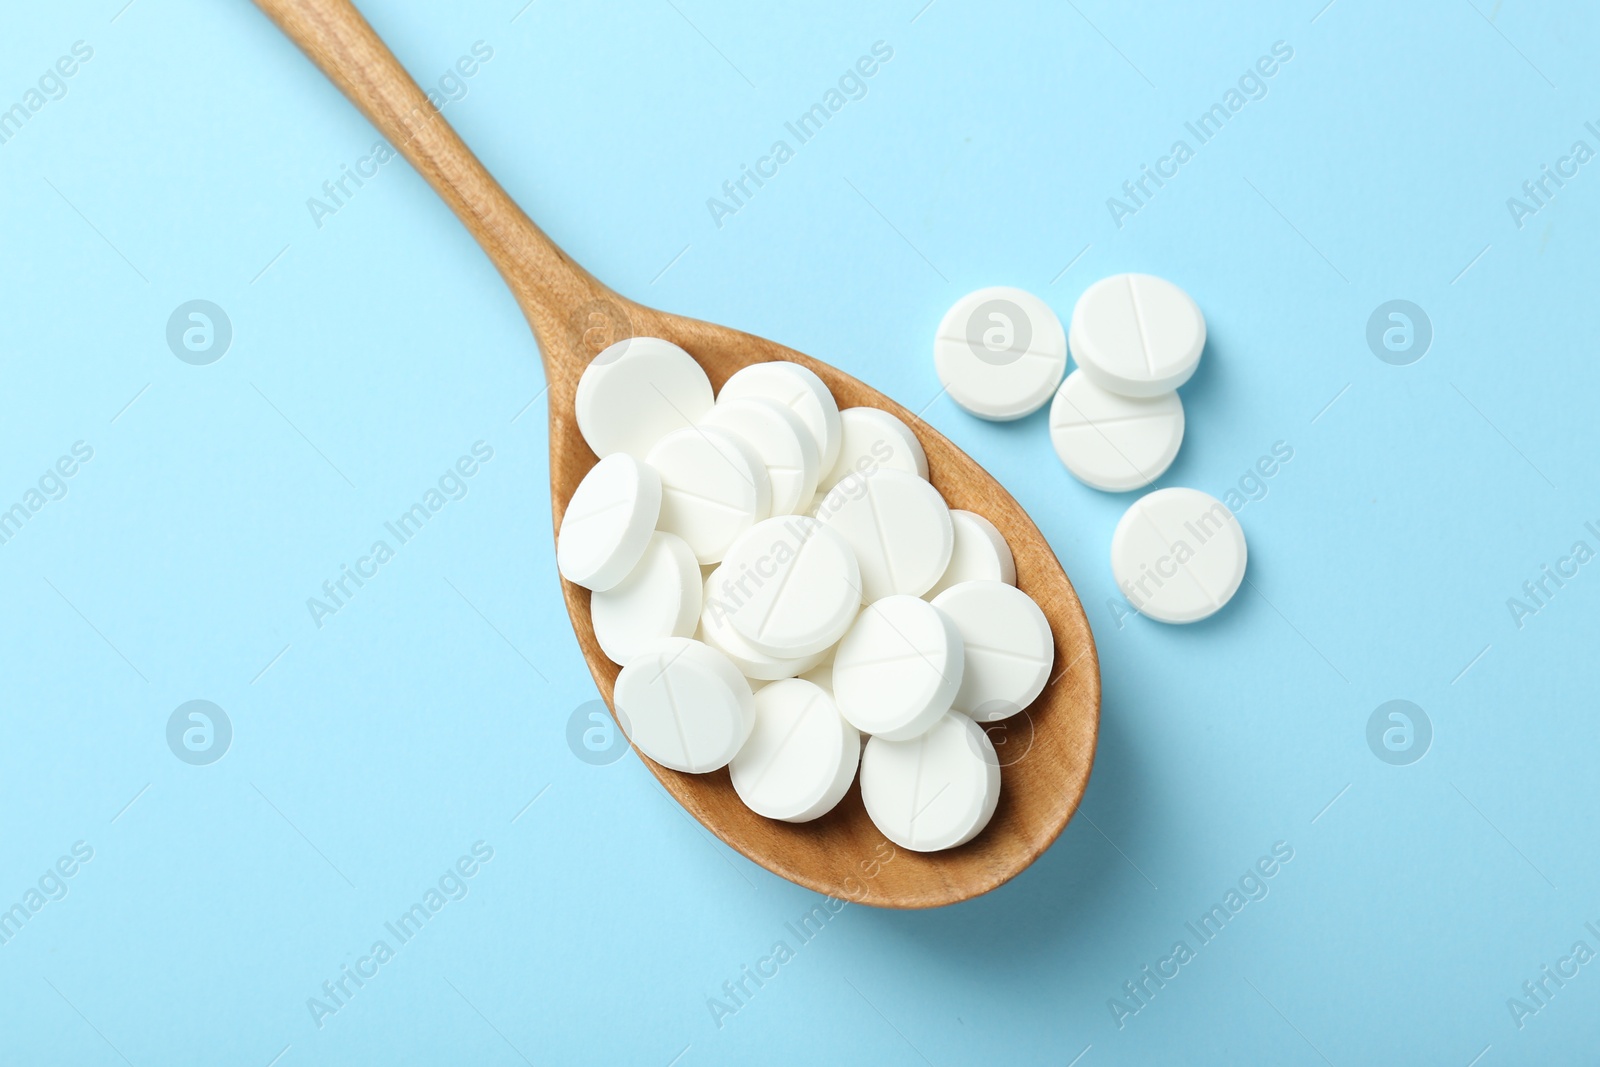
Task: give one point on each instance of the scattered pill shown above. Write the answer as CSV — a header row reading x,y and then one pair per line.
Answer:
x,y
798,389
637,391
776,434
713,488
935,791
660,598
790,587
898,669
716,630
980,553
1008,644
801,756
1137,335
1000,353
898,526
685,705
1114,442
872,438
1178,555
608,522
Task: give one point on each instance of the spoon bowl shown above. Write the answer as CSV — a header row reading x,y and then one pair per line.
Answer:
x,y
1046,751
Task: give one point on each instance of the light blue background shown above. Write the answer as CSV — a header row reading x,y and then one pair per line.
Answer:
x,y
371,352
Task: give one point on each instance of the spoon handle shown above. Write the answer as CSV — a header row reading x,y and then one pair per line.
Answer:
x,y
544,280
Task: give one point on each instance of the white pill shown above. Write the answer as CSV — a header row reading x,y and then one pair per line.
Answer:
x,y
871,438
898,669
800,758
1178,555
821,676
785,446
685,705
1137,334
637,391
980,554
713,488
1008,644
935,791
790,587
898,526
608,522
1114,442
798,389
1000,353
661,598
716,630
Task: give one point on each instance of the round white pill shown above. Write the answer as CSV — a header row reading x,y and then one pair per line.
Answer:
x,y
716,630
685,705
935,791
1114,442
661,598
980,554
608,522
898,669
1000,353
798,389
871,438
1008,644
713,488
898,526
637,391
785,446
790,587
800,758
1178,555
1137,334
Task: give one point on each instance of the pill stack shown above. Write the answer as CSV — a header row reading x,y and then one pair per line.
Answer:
x,y
1116,421
789,597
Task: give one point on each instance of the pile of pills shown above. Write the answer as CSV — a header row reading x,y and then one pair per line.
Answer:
x,y
789,597
1116,421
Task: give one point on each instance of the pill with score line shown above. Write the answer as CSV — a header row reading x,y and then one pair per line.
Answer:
x,y
1000,353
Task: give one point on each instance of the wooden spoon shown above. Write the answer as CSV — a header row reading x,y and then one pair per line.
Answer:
x,y
1046,752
